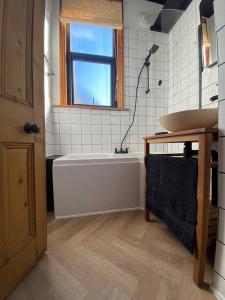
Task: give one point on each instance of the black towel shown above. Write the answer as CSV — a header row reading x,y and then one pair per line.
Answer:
x,y
172,194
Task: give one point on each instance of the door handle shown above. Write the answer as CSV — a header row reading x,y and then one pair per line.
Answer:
x,y
31,128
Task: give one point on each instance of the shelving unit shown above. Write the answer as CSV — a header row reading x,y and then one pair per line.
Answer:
x,y
207,214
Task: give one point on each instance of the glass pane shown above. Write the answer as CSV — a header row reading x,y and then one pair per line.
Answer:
x,y
92,83
90,39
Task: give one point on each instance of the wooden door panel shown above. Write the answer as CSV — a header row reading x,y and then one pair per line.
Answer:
x,y
17,50
1,26
23,230
18,195
39,118
10,113
3,242
16,268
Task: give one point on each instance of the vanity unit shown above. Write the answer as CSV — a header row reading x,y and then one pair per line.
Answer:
x,y
204,137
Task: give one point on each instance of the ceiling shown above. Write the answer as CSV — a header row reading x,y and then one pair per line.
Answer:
x,y
133,9
162,2
206,8
170,13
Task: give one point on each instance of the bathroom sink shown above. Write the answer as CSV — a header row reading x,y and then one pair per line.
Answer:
x,y
190,119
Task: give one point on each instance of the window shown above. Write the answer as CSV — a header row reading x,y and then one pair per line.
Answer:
x,y
209,45
91,65
91,53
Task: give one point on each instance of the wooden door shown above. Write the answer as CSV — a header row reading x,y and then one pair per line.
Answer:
x,y
22,191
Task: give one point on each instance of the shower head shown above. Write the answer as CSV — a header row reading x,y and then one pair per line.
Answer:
x,y
151,51
154,49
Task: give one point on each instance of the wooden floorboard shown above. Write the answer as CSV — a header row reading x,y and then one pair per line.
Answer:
x,y
112,257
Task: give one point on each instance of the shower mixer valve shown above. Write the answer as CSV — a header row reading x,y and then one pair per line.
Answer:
x,y
121,151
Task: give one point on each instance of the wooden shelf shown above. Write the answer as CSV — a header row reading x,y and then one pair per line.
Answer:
x,y
207,215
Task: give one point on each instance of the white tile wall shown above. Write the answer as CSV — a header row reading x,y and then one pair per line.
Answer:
x,y
184,65
219,12
221,43
220,259
176,63
219,284
183,62
222,156
82,130
209,86
221,190
221,86
184,78
221,232
209,81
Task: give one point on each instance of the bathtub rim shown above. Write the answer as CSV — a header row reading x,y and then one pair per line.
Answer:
x,y
98,158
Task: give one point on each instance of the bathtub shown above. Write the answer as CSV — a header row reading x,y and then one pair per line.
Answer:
x,y
86,184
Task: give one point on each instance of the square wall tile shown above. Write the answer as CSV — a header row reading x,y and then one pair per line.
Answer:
x,y
219,8
75,118
66,149
220,259
221,45
75,129
86,149
222,154
65,139
86,139
222,81
76,149
76,139
64,118
221,229
221,192
221,122
64,129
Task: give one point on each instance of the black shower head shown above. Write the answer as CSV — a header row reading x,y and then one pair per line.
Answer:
x,y
154,49
151,51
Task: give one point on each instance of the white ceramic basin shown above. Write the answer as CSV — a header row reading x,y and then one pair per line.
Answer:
x,y
190,119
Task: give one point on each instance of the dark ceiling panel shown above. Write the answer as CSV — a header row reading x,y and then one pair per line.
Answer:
x,y
162,2
177,4
180,5
206,8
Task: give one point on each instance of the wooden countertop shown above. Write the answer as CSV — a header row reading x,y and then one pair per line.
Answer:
x,y
187,135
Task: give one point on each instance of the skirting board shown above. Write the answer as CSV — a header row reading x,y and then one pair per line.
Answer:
x,y
217,294
218,286
99,213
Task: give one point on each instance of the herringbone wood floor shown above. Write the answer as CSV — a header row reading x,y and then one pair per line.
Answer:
x,y
115,256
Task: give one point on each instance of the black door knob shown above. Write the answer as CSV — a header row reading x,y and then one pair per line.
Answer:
x,y
31,128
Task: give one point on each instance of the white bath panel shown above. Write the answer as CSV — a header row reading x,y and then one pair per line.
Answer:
x,y
94,184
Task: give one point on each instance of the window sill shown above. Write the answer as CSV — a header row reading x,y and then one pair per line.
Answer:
x,y
93,107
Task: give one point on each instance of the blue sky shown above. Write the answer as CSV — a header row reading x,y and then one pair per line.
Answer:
x,y
92,80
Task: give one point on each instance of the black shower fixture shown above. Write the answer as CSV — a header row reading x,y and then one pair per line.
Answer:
x,y
146,64
151,51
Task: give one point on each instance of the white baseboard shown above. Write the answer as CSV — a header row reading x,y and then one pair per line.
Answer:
x,y
98,213
216,293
